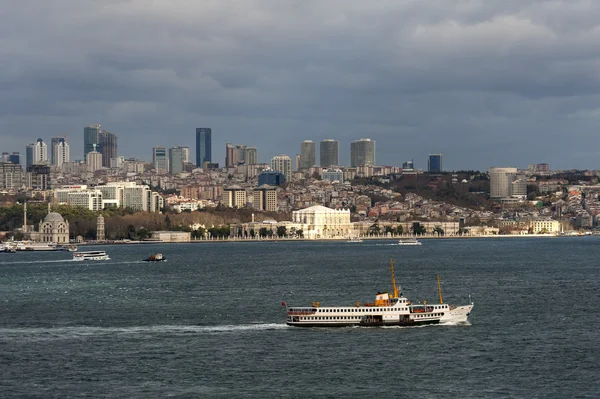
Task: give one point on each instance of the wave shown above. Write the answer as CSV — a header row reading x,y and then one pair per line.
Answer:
x,y
83,331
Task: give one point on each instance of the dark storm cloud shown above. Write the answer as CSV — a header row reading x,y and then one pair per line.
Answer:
x,y
486,83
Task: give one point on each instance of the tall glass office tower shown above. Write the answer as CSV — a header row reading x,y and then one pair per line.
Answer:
x,y
91,139
307,154
329,153
203,146
362,152
434,163
108,147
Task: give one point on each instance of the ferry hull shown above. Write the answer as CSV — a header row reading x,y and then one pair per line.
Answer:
x,y
410,323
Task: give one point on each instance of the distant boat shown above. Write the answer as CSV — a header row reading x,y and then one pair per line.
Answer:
x,y
7,249
90,255
68,247
355,239
35,246
155,258
409,241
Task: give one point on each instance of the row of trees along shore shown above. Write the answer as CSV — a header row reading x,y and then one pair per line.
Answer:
x,y
124,223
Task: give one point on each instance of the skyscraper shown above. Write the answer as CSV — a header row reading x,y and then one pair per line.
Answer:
x,y
186,154
329,153
283,164
203,146
308,154
15,158
502,183
59,151
362,152
91,138
434,163
94,160
108,147
11,175
239,154
37,153
176,156
160,161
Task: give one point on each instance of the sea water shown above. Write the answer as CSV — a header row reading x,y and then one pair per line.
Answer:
x,y
209,322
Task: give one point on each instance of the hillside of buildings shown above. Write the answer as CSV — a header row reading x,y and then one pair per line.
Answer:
x,y
135,200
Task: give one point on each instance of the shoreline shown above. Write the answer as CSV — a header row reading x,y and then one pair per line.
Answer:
x,y
335,239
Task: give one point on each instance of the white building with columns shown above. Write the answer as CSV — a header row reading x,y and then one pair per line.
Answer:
x,y
322,222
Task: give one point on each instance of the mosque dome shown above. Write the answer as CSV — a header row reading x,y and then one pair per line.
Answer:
x,y
53,217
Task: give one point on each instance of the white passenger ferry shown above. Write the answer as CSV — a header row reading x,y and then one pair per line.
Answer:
x,y
90,255
354,239
409,241
394,310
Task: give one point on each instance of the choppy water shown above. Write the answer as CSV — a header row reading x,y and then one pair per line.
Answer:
x,y
209,321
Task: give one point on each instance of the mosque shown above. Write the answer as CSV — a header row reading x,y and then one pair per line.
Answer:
x,y
53,229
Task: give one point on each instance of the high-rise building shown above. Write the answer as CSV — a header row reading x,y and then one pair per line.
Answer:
x,y
176,156
234,197
108,147
94,160
60,151
265,198
91,139
408,165
434,163
505,183
271,178
160,160
283,164
362,152
329,153
11,175
38,177
15,158
203,146
239,154
186,154
308,154
4,157
37,153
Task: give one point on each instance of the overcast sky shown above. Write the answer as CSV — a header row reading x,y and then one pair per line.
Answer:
x,y
486,83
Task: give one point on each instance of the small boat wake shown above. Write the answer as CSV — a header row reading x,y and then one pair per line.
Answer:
x,y
50,333
36,262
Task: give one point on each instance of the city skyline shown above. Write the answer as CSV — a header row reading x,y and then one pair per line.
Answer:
x,y
249,152
483,83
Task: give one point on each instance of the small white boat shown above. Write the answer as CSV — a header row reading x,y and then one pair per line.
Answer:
x,y
90,255
156,258
409,241
355,239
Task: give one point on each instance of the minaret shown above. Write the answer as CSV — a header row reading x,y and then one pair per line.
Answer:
x,y
24,217
100,228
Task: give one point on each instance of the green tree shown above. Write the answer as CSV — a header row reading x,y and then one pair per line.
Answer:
x,y
418,229
281,231
399,229
374,229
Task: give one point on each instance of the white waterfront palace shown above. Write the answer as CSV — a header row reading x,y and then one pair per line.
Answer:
x,y
322,222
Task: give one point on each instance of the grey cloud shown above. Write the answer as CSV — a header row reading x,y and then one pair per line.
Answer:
x,y
502,83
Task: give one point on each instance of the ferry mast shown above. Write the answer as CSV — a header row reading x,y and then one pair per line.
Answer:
x,y
395,286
